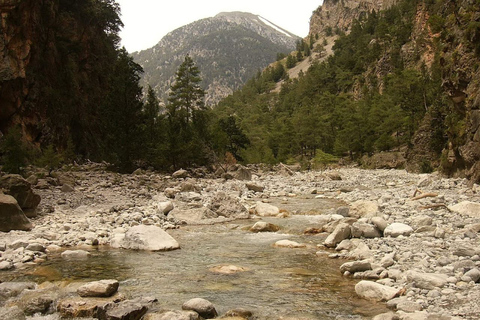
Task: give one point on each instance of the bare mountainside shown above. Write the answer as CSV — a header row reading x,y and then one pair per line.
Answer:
x,y
229,49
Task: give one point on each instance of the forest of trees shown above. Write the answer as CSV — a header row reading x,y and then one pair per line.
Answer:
x,y
342,107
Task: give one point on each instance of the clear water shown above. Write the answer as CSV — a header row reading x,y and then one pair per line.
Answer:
x,y
280,284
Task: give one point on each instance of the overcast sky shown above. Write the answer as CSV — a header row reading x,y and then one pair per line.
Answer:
x,y
147,21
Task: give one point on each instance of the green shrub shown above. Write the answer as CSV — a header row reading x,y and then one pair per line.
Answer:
x,y
14,152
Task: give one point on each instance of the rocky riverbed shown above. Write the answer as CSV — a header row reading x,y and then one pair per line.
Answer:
x,y
411,240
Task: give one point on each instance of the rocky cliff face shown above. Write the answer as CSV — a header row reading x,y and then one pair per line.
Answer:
x,y
228,49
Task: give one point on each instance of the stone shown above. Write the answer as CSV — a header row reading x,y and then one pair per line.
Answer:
x,y
428,281
229,207
238,313
398,229
150,238
228,269
203,307
262,226
467,208
102,288
243,174
364,230
171,192
66,188
32,304
13,313
165,207
341,232
19,188
473,274
464,251
364,209
13,289
423,315
266,210
180,174
374,291
289,244
386,316
36,247
6,265
12,216
380,223
255,187
343,211
334,175
75,254
355,266
78,307
172,315
124,310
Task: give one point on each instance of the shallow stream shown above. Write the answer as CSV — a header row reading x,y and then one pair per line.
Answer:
x,y
280,283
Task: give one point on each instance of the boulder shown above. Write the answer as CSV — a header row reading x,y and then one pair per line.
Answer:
x,y
374,291
398,229
180,174
473,274
6,265
428,281
262,226
13,289
75,254
255,187
365,230
229,207
380,223
364,209
266,210
356,266
124,310
12,216
13,313
341,232
102,288
243,174
19,188
78,307
149,238
165,207
203,307
172,315
467,208
289,244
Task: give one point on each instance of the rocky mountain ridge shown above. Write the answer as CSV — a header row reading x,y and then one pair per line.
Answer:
x,y
228,49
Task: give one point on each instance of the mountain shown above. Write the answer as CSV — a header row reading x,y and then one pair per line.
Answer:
x,y
398,78
229,49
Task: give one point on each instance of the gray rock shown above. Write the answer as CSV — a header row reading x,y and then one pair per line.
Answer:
x,y
19,188
341,232
386,316
78,307
243,174
356,266
102,288
180,174
36,247
423,315
229,207
124,310
13,313
262,226
463,251
13,289
171,192
12,216
165,207
473,274
75,254
203,307
343,211
255,187
149,238
66,188
6,265
380,223
374,291
428,281
266,210
365,230
364,209
467,208
289,244
397,229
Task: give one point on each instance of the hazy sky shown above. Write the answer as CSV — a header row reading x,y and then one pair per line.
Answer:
x,y
147,21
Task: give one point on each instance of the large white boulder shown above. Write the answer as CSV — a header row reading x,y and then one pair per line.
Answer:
x,y
266,210
398,229
374,291
150,238
467,208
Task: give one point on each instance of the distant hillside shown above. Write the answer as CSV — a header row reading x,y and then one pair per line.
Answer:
x,y
229,49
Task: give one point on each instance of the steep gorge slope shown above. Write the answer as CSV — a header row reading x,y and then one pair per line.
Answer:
x,y
228,49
